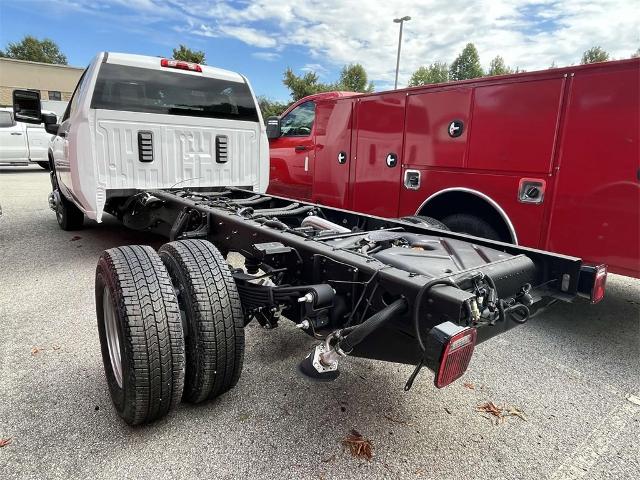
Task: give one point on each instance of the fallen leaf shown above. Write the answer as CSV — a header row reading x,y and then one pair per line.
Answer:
x,y
633,399
35,351
516,412
359,446
470,386
57,347
500,413
4,442
489,407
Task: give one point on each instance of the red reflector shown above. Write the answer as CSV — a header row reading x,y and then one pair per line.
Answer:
x,y
179,64
599,284
456,357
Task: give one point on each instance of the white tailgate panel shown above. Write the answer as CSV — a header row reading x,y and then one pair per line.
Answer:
x,y
183,150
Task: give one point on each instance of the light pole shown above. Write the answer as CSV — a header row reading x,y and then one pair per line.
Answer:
x,y
400,21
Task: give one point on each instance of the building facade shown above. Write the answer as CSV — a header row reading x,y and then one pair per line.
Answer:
x,y
55,82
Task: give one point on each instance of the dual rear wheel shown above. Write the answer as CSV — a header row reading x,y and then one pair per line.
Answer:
x,y
170,326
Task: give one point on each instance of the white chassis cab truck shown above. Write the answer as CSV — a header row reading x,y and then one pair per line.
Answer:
x,y
180,149
137,123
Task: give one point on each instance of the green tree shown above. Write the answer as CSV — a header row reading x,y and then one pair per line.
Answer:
x,y
353,78
466,65
437,72
498,67
185,54
636,54
301,86
270,108
593,55
34,50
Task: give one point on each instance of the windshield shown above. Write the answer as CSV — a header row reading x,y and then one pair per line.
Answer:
x,y
134,89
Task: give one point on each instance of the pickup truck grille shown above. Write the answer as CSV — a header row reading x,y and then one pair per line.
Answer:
x,y
145,146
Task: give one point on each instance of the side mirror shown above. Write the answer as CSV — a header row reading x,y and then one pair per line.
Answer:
x,y
273,127
26,106
50,123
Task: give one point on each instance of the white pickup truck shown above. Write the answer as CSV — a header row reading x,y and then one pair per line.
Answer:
x,y
22,143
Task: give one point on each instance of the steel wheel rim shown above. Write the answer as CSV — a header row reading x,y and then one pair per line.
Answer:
x,y
113,335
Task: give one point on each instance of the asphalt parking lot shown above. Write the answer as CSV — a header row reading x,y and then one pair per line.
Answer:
x,y
573,372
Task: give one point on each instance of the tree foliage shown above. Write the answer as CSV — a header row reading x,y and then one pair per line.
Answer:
x,y
34,50
636,54
466,65
185,54
498,67
353,78
437,72
302,86
271,108
593,55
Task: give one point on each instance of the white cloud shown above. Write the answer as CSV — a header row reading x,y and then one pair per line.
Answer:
x,y
318,68
530,34
267,56
249,36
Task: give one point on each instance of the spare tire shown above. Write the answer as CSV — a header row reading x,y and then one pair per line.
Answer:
x,y
212,315
140,333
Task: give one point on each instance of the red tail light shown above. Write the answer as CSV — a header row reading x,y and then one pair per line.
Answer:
x,y
592,282
599,284
180,65
456,357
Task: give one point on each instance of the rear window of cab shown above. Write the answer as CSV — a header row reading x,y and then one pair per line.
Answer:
x,y
135,89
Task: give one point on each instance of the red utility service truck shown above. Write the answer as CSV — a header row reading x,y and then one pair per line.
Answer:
x,y
545,159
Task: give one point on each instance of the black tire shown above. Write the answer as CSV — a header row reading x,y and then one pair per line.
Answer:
x,y
45,165
472,225
68,215
135,286
426,221
212,315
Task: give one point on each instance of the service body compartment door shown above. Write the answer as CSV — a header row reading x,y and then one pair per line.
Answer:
x,y
376,177
437,128
596,207
514,126
333,161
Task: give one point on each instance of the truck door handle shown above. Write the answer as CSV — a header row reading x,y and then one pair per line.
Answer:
x,y
301,148
16,133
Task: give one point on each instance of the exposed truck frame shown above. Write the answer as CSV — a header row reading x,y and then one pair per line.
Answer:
x,y
394,290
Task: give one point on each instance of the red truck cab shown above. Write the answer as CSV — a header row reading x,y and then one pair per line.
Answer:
x,y
545,159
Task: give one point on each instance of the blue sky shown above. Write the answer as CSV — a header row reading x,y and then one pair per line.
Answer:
x,y
261,38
